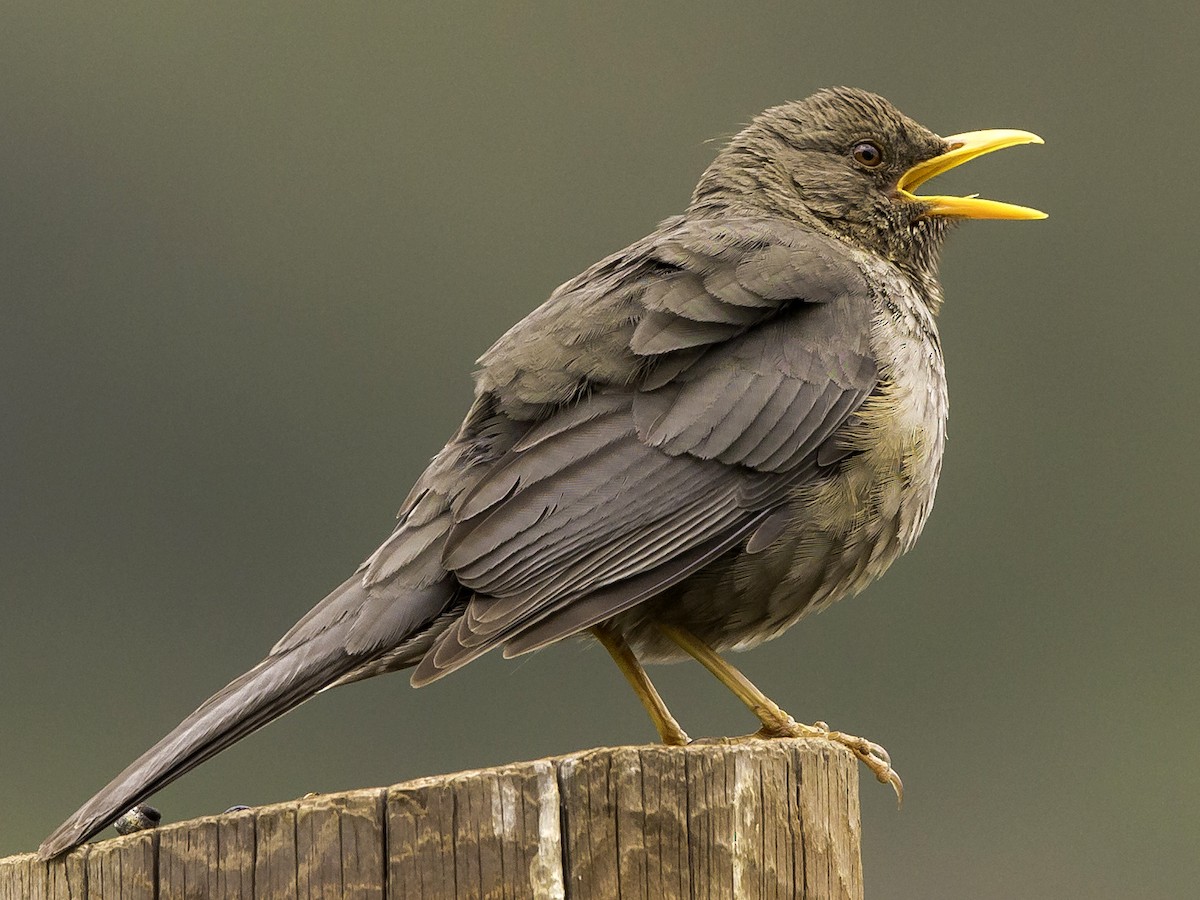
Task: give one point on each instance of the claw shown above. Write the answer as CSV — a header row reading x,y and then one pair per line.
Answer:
x,y
875,758
872,755
719,741
898,787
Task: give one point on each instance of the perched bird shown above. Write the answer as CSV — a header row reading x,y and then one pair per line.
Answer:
x,y
729,424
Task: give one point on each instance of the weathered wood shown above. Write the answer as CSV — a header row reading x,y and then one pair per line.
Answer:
x,y
275,852
493,833
125,868
762,819
24,877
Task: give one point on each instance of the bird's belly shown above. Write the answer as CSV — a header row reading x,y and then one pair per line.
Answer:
x,y
848,527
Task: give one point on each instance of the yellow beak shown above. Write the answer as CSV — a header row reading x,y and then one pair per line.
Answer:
x,y
964,147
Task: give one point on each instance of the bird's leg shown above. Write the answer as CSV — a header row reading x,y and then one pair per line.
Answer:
x,y
776,722
668,729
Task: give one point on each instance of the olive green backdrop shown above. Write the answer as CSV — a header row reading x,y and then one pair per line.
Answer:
x,y
248,255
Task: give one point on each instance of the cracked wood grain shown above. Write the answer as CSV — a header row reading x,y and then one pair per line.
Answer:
x,y
762,819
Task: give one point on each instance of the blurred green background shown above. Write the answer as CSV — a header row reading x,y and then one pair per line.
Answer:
x,y
248,254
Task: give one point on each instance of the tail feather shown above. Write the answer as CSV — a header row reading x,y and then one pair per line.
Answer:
x,y
273,687
329,643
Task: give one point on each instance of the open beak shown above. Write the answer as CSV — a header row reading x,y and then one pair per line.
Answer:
x,y
964,147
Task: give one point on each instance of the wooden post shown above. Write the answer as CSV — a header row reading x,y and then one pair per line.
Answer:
x,y
770,819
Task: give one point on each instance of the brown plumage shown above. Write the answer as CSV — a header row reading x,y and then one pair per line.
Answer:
x,y
732,422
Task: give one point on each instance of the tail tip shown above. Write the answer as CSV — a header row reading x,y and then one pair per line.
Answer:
x,y
54,846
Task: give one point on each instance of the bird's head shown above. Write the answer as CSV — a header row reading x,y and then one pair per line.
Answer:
x,y
847,162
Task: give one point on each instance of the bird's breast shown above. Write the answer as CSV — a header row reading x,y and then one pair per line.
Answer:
x,y
848,526
873,507
903,430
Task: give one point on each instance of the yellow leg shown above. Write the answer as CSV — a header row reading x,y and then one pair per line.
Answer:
x,y
668,729
776,722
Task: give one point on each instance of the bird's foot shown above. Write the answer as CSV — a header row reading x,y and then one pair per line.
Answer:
x,y
676,737
872,755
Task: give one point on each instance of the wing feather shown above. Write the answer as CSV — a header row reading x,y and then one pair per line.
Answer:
x,y
747,348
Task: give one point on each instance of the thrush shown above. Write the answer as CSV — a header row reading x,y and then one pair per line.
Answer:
x,y
708,435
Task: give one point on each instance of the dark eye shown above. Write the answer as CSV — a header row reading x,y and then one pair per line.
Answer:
x,y
867,153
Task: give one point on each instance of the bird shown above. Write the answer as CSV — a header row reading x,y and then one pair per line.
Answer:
x,y
704,437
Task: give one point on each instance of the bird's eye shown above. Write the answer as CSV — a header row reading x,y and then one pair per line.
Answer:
x,y
867,153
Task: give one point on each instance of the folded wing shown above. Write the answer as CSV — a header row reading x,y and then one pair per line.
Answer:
x,y
744,351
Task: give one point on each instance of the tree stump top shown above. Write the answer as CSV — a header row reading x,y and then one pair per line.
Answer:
x,y
758,819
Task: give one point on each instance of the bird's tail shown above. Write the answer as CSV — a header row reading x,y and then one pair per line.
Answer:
x,y
279,683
